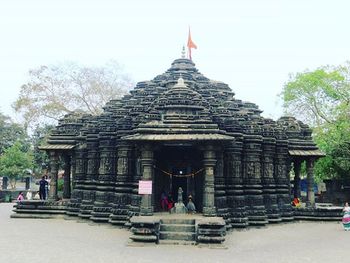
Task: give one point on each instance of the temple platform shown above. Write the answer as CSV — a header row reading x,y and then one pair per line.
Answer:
x,y
321,212
41,209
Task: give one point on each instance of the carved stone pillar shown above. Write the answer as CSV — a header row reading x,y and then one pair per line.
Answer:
x,y
282,178
310,182
220,191
67,175
104,194
53,175
297,168
209,162
78,164
136,176
123,189
234,190
89,185
268,181
123,163
147,175
92,159
252,179
107,166
73,168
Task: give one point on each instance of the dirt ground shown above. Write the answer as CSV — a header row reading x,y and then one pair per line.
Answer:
x,y
59,240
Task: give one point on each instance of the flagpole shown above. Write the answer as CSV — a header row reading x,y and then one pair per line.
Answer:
x,y
190,44
189,47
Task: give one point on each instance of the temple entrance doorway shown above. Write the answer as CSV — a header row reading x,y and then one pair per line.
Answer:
x,y
178,166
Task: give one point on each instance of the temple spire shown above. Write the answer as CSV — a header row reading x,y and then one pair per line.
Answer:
x,y
183,52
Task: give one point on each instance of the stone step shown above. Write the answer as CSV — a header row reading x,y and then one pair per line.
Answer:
x,y
39,207
212,232
35,211
177,242
119,217
117,222
100,214
144,238
143,231
258,223
177,228
72,213
317,218
211,239
184,221
274,220
99,219
37,216
287,218
84,216
186,236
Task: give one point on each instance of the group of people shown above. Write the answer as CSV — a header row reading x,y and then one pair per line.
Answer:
x,y
29,196
167,202
42,194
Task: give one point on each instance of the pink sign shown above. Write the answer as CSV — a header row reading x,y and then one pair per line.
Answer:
x,y
145,187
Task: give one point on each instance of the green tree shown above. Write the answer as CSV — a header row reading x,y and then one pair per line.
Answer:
x,y
11,132
40,158
15,163
55,90
334,140
321,98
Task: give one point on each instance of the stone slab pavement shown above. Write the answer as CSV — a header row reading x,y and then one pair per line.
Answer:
x,y
59,240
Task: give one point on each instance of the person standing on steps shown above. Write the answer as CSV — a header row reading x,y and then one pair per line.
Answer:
x,y
47,186
43,185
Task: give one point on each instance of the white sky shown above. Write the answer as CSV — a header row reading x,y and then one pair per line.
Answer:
x,y
252,45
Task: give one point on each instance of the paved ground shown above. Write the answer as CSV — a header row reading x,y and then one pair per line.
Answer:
x,y
51,240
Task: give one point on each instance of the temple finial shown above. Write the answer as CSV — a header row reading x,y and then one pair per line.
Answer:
x,y
180,82
183,52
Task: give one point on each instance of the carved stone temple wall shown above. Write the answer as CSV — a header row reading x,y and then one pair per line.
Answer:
x,y
241,173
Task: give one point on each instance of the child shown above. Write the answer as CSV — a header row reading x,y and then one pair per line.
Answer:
x,y
20,197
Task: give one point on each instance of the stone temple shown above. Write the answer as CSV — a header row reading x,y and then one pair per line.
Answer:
x,y
181,129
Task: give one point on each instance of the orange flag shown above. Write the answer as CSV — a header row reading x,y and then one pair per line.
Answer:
x,y
190,44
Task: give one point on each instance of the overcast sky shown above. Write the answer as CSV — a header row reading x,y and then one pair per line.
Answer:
x,y
252,45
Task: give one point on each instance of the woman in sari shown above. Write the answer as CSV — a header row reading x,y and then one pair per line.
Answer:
x,y
346,217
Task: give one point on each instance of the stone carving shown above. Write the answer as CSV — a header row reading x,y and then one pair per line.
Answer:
x,y
250,170
179,195
268,170
107,165
122,166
